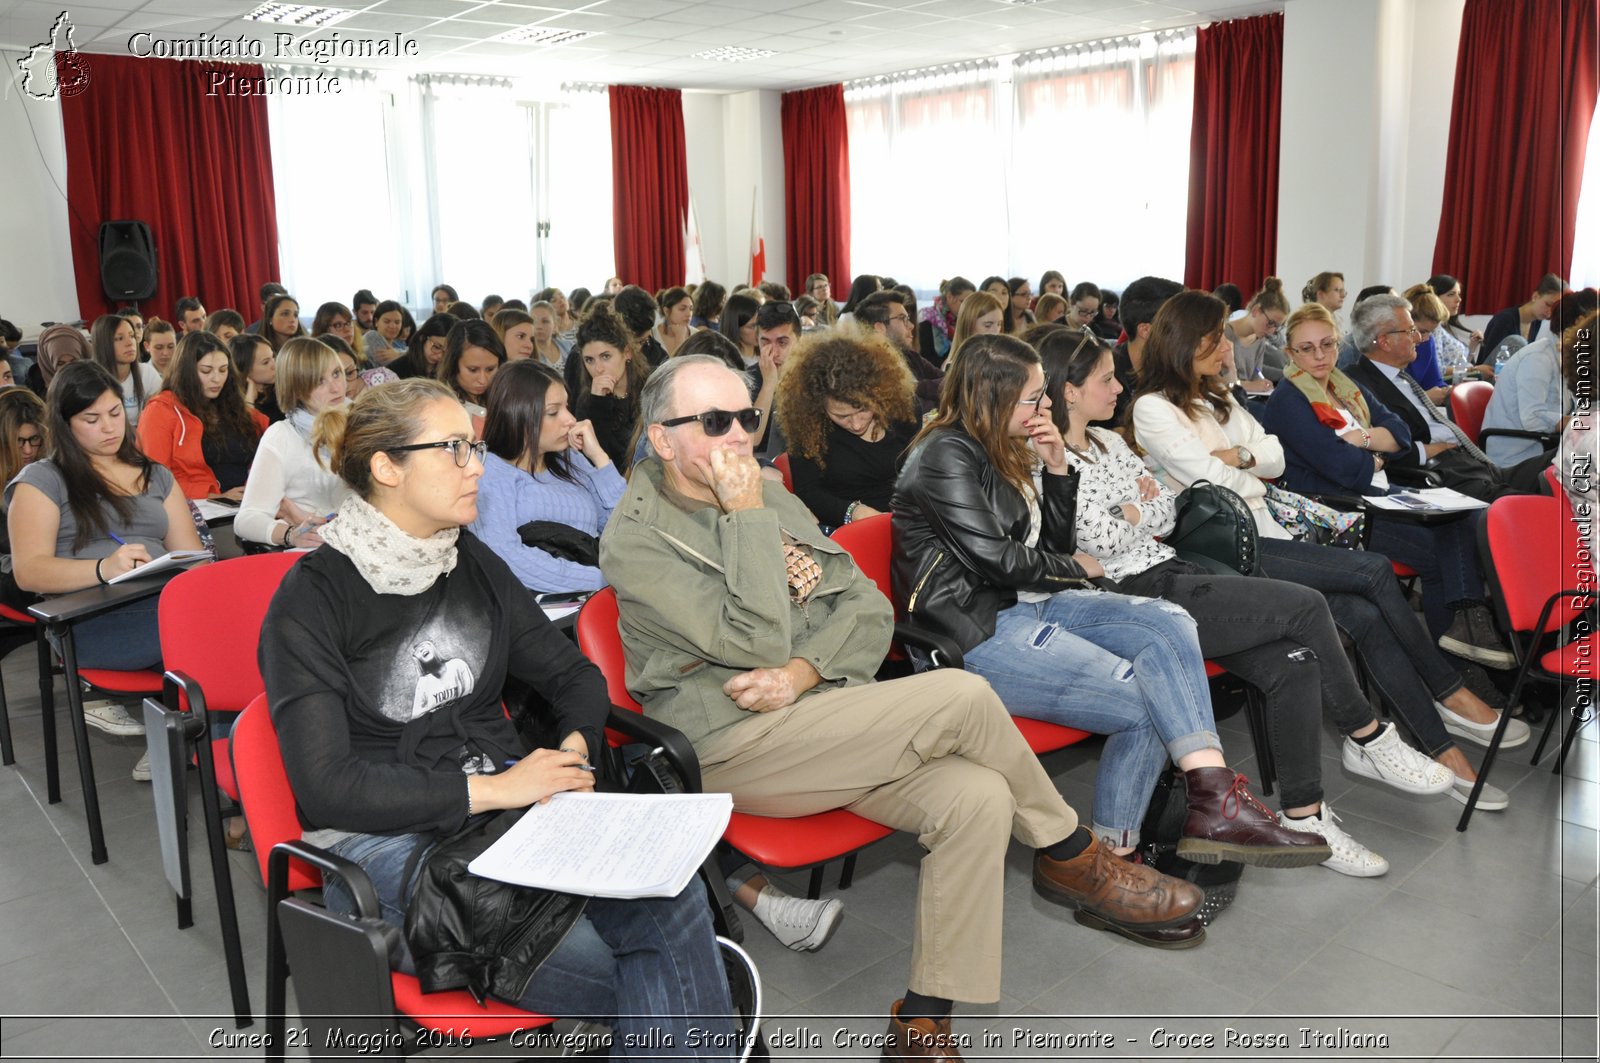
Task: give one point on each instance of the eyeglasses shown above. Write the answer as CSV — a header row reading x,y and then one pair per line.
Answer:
x,y
1327,346
30,442
903,317
460,449
1036,401
1272,327
718,422
1413,332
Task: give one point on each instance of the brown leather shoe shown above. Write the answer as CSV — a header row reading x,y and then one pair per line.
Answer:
x,y
1097,882
919,1038
1186,936
1228,822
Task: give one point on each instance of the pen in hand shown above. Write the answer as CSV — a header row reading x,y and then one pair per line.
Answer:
x,y
123,542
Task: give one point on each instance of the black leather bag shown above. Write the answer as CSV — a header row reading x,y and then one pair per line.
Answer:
x,y
1215,529
562,541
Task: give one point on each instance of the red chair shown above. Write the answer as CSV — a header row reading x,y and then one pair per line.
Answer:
x,y
339,988
1468,403
784,844
781,463
871,545
1542,581
1551,477
212,674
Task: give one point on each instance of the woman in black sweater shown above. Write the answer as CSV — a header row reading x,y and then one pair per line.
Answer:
x,y
606,376
847,406
384,657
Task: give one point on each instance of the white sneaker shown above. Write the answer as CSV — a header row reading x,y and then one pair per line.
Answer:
x,y
1481,733
141,770
1493,799
1349,857
802,925
1389,760
110,717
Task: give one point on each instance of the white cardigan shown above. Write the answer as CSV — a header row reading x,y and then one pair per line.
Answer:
x,y
284,467
1178,450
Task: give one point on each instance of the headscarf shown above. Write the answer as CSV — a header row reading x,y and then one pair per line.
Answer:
x,y
56,341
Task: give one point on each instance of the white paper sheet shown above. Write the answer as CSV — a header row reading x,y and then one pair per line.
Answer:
x,y
609,845
1427,500
174,559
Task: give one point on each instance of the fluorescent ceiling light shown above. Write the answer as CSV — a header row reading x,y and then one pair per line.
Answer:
x,y
298,15
731,54
546,35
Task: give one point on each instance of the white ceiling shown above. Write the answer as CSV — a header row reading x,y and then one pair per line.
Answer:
x,y
652,41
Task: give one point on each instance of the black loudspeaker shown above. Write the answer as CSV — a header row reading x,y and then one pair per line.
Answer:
x,y
127,261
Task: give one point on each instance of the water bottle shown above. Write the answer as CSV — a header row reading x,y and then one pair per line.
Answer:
x,y
1502,355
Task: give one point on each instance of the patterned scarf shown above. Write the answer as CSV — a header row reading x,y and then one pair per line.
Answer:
x,y
1343,388
391,560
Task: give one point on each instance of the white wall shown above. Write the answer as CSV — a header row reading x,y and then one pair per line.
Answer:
x,y
36,280
735,147
1367,86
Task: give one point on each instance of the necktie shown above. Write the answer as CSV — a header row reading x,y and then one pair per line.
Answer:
x,y
1433,413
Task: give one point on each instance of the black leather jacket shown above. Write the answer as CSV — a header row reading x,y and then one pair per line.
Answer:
x,y
959,539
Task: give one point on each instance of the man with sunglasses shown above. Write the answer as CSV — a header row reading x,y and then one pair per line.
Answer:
x,y
757,637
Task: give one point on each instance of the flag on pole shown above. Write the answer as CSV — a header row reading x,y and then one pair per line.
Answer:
x,y
758,246
694,258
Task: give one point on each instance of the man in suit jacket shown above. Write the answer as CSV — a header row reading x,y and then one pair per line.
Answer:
x,y
1387,338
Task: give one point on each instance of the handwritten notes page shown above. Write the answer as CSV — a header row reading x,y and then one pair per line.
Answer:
x,y
609,845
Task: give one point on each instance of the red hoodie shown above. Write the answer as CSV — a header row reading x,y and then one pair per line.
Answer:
x,y
170,434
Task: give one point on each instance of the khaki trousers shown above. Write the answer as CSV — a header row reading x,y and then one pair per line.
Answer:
x,y
934,754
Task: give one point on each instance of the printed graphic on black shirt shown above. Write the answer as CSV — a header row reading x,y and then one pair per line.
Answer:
x,y
442,681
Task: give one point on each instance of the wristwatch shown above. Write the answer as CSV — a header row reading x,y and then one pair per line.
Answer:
x,y
1247,460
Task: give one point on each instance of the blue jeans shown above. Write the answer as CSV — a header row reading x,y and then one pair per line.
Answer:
x,y
649,968
125,639
1128,668
1367,604
1445,557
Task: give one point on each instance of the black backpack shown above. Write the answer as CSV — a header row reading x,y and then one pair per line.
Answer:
x,y
1214,528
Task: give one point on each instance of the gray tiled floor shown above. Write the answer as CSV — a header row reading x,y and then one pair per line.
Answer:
x,y
1473,946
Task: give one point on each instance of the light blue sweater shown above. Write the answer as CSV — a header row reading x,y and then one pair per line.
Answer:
x,y
1528,393
509,498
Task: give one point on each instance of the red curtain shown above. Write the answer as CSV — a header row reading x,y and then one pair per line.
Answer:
x,y
650,185
1519,126
816,187
1233,154
146,142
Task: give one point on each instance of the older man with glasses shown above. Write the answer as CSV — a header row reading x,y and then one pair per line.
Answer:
x,y
754,634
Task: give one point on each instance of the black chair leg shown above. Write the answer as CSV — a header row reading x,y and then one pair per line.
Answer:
x,y
1494,746
232,948
848,872
1575,720
1544,736
814,886
47,718
80,739
8,755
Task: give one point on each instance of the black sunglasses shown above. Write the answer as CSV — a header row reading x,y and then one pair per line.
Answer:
x,y
719,422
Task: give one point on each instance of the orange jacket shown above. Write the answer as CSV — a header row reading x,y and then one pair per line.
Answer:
x,y
170,434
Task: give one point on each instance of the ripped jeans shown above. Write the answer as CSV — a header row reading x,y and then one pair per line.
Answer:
x,y
1125,667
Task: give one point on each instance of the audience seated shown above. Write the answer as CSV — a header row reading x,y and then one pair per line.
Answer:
x,y
1050,309
426,350
22,442
1140,302
1522,320
1429,315
491,305
1190,429
1019,306
848,411
264,295
566,314
116,351
58,348
384,657
777,334
335,319
677,307
1534,390
604,381
1108,326
1257,356
637,308
443,296
189,314
94,509
713,343
543,465
223,324
984,555
198,425
1458,343
516,330
863,286
942,314
775,690
160,344
281,321
255,369
547,349
738,323
1326,288
382,343
460,309
981,315
358,375
289,494
472,356
1051,282
363,304
1085,300
1387,338
132,316
886,315
820,289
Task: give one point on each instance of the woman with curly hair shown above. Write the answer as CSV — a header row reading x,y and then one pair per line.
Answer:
x,y
847,406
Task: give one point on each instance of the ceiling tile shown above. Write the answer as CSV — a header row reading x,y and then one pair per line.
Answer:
x,y
638,8
434,9
700,15
779,24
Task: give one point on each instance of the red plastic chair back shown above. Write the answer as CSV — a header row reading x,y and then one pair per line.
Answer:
x,y
211,624
601,642
781,463
264,791
1536,551
1468,403
870,542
